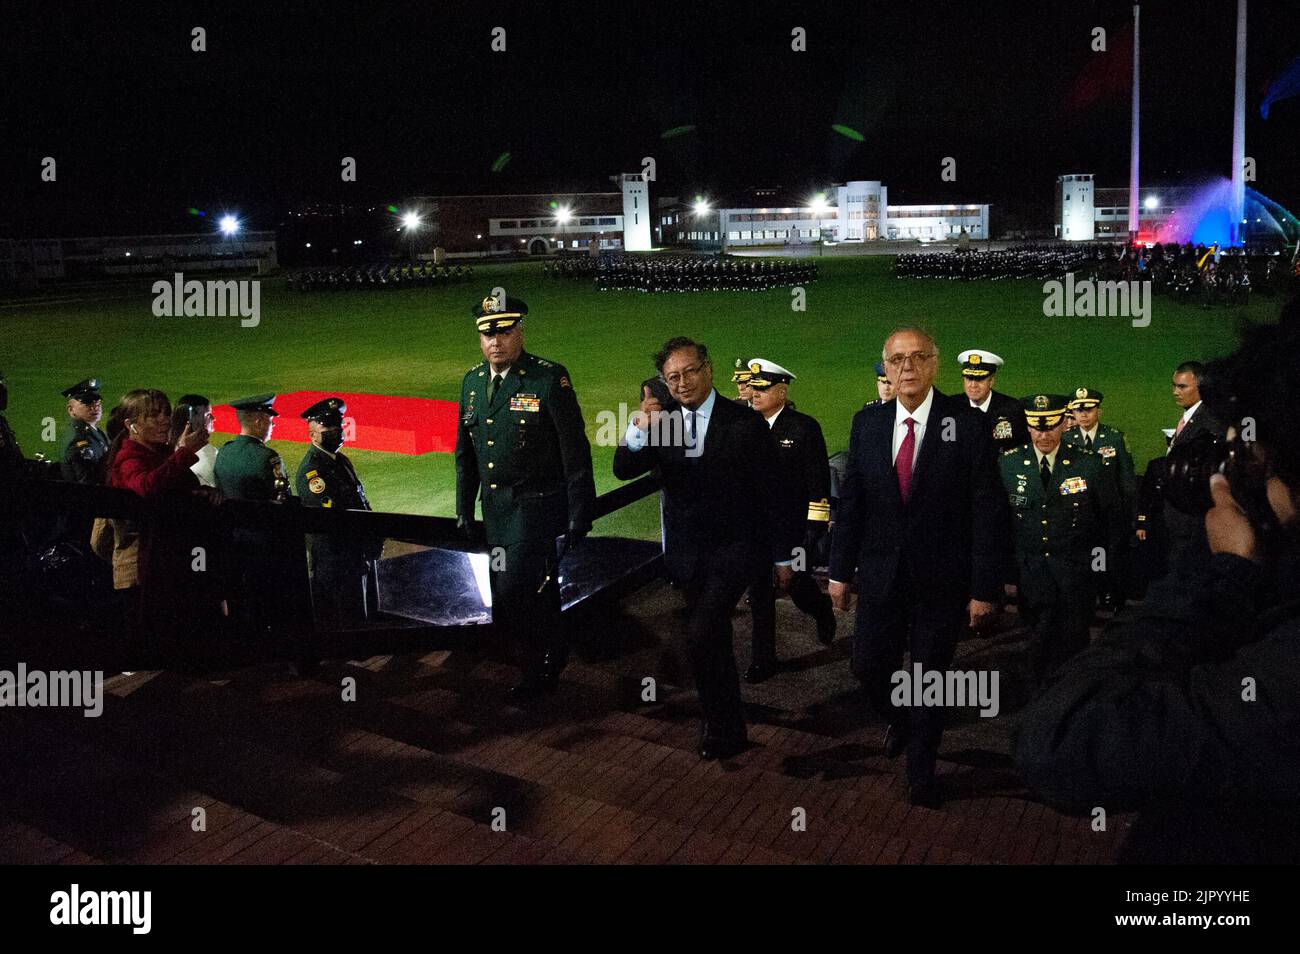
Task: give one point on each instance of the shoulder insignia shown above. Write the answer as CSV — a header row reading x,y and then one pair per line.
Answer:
x,y
310,474
543,362
82,443
316,485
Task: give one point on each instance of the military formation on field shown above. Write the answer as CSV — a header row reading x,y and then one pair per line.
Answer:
x,y
1191,274
683,273
384,275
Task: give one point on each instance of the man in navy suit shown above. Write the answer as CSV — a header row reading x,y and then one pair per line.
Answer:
x,y
716,540
922,525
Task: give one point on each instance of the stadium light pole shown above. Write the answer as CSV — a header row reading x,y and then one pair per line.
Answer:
x,y
411,222
818,208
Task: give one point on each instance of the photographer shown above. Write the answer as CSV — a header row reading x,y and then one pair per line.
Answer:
x,y
1188,710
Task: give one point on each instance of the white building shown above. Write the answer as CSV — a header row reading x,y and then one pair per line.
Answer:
x,y
1076,216
636,212
857,211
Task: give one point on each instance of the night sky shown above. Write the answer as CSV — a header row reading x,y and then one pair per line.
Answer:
x,y
143,128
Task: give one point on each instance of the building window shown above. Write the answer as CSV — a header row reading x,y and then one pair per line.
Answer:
x,y
610,220
586,221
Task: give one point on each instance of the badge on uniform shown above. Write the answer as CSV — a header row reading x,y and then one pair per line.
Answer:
x,y
1018,500
787,442
1002,430
1073,485
525,402
1106,451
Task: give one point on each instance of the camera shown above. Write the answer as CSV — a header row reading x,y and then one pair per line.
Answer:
x,y
1185,482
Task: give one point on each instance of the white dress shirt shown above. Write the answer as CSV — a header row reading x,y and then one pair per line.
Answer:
x,y
921,415
985,406
1088,435
771,421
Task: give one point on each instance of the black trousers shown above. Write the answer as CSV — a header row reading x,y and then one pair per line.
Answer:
x,y
710,600
805,594
907,619
1058,623
339,578
526,601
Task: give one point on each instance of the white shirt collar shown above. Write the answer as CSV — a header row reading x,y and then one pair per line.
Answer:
x,y
984,406
1051,458
920,415
771,421
503,373
1187,414
706,409
1092,433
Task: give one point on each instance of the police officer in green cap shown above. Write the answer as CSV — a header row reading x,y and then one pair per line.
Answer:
x,y
522,447
84,451
1110,444
1067,527
342,568
246,469
740,378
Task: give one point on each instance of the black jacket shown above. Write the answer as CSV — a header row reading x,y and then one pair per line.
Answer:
x,y
1007,426
951,535
710,523
804,476
1156,715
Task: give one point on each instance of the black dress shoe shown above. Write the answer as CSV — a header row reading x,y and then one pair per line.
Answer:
x,y
761,671
895,741
826,627
721,748
925,794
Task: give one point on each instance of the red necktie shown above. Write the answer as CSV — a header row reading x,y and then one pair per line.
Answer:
x,y
903,462
1182,421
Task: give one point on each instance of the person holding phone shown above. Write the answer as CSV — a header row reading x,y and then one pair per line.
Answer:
x,y
716,541
196,410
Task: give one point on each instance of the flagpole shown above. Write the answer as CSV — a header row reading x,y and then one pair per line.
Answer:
x,y
1133,223
1237,231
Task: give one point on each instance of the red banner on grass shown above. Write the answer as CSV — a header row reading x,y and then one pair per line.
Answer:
x,y
398,425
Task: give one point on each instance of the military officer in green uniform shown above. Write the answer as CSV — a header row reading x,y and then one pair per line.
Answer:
x,y
1110,444
246,469
342,568
522,447
1066,524
740,378
84,451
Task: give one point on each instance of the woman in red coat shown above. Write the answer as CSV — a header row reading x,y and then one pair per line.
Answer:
x,y
175,595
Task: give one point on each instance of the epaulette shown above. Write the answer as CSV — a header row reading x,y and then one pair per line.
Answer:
x,y
543,362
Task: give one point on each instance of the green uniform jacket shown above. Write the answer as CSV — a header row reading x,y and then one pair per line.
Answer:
x,y
526,452
84,453
1055,529
246,469
1111,446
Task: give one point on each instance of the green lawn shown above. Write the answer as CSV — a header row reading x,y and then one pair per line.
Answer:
x,y
419,342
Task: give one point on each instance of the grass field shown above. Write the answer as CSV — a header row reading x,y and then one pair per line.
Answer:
x,y
420,342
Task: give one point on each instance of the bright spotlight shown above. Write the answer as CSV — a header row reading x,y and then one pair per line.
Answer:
x,y
701,206
411,220
1151,203
229,225
817,205
563,214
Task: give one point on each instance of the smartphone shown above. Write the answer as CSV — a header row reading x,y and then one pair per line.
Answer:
x,y
660,391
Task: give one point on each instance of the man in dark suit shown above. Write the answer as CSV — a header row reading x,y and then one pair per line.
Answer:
x,y
979,374
1185,533
922,526
716,540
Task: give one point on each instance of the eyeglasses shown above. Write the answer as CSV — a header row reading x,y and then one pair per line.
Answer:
x,y
684,375
916,357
